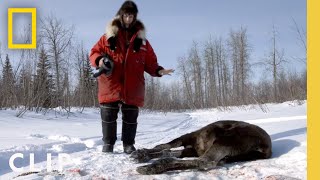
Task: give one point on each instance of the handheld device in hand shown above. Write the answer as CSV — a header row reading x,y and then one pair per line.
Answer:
x,y
106,68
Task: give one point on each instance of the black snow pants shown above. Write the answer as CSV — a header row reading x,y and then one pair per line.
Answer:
x,y
109,115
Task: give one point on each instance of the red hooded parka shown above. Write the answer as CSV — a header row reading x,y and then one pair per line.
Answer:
x,y
126,82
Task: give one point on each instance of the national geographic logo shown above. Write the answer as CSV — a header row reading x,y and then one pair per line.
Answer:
x,y
33,12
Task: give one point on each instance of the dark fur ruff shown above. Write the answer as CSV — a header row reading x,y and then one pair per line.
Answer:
x,y
128,7
114,26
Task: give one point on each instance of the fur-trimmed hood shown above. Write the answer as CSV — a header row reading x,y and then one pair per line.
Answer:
x,y
114,26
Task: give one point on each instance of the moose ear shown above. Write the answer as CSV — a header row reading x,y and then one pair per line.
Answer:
x,y
112,43
137,44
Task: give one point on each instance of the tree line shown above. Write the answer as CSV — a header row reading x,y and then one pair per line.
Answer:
x,y
215,73
219,73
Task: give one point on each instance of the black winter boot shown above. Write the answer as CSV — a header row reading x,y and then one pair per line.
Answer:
x,y
109,115
107,148
129,127
128,149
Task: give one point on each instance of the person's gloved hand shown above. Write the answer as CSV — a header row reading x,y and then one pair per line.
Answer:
x,y
166,72
107,65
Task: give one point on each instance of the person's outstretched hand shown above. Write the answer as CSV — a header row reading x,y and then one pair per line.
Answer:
x,y
166,72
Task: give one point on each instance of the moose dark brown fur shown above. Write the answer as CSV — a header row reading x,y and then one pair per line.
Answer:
x,y
215,144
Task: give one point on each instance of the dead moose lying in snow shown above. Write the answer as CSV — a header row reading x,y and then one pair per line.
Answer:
x,y
215,144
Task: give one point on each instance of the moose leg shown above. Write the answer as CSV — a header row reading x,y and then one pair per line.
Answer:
x,y
144,156
183,140
208,160
170,164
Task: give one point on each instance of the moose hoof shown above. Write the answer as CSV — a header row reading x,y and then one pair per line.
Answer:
x,y
206,165
150,169
140,156
145,170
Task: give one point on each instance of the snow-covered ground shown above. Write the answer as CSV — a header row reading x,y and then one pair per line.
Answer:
x,y
79,136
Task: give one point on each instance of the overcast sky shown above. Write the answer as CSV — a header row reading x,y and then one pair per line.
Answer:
x,y
172,25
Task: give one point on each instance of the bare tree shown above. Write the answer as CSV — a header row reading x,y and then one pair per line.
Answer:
x,y
176,96
85,91
217,72
211,90
273,63
291,86
186,81
196,65
301,37
57,38
150,91
239,48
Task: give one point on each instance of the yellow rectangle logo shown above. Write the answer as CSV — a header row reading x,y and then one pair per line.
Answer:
x,y
33,12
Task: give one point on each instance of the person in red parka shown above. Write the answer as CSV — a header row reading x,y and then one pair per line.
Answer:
x,y
123,87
